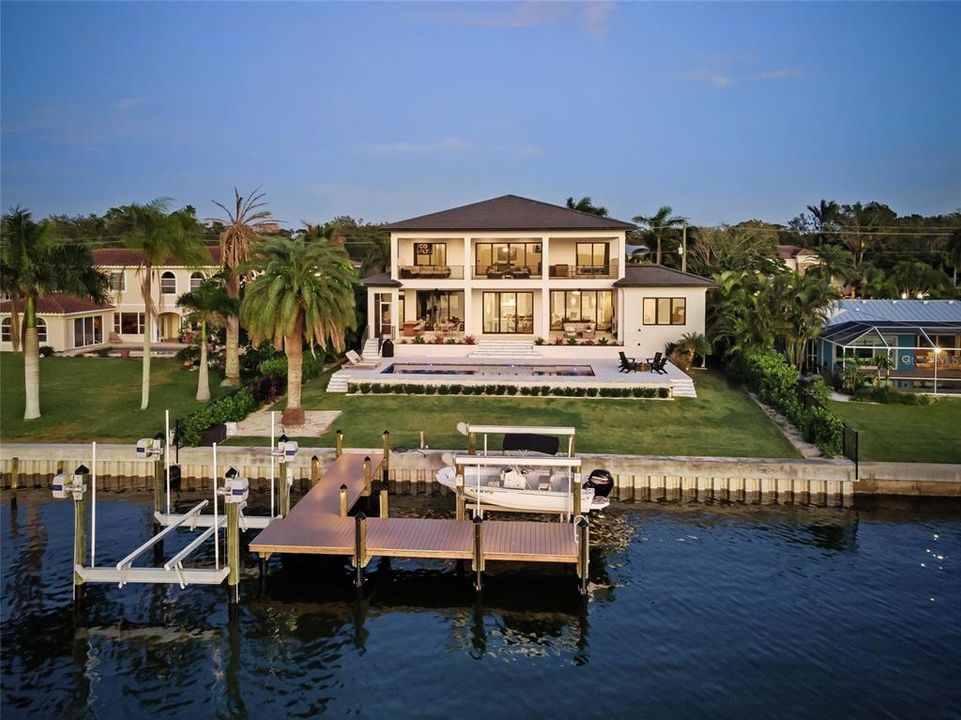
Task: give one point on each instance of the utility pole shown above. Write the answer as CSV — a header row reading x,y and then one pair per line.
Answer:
x,y
684,247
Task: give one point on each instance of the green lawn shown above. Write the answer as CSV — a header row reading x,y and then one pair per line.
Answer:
x,y
721,421
906,433
85,399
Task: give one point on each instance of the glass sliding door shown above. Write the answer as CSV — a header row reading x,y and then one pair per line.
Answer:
x,y
509,313
595,306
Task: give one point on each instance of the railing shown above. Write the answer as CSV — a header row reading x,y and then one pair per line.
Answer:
x,y
431,272
582,272
851,447
506,271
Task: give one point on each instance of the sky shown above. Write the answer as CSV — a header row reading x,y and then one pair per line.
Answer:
x,y
384,111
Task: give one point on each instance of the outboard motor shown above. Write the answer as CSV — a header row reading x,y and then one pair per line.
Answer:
x,y
175,478
602,482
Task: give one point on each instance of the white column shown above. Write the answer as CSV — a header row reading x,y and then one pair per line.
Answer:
x,y
545,289
621,314
469,328
545,257
394,314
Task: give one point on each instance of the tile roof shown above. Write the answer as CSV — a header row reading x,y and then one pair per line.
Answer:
x,y
59,304
126,257
648,275
510,212
380,280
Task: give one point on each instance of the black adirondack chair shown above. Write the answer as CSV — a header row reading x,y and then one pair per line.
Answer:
x,y
658,366
654,360
627,364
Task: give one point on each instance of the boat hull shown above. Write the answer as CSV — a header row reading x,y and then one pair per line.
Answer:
x,y
524,500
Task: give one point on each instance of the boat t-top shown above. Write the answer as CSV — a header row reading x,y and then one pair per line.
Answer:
x,y
529,473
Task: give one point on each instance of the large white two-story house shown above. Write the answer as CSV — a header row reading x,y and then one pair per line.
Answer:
x,y
514,269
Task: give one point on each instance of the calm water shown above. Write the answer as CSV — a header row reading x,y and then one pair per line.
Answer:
x,y
696,611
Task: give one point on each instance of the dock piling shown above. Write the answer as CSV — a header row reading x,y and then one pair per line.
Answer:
x,y
385,463
233,552
471,444
343,501
459,493
583,551
79,532
360,548
478,552
577,496
367,475
340,443
384,504
314,470
284,488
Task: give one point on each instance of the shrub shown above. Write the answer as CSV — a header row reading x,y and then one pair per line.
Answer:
x,y
443,390
438,339
663,392
539,341
470,340
351,388
557,391
572,341
511,389
230,408
889,396
545,390
364,387
430,390
451,341
419,340
46,351
824,429
268,388
525,390
456,389
579,391
592,392
559,340
603,341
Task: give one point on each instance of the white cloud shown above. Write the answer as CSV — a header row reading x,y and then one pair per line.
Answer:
x,y
594,15
444,145
723,72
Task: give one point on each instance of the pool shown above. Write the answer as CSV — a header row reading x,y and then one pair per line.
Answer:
x,y
462,369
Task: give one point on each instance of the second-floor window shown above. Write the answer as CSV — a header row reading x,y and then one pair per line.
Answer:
x,y
118,281
592,258
430,254
665,311
196,280
168,283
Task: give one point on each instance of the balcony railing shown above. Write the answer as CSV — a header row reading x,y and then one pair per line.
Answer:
x,y
431,272
584,272
506,271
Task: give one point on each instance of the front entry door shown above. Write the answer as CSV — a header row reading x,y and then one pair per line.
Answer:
x,y
382,327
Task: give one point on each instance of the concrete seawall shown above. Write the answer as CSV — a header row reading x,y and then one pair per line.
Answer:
x,y
637,478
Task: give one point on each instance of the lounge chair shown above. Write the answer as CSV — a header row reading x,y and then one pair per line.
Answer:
x,y
654,360
627,364
658,366
357,361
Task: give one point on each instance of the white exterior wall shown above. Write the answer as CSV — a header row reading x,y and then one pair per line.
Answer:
x,y
60,335
642,340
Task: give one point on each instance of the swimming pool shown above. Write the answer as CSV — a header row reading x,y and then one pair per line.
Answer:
x,y
526,370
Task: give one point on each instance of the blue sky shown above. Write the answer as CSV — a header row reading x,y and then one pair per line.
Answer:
x,y
389,110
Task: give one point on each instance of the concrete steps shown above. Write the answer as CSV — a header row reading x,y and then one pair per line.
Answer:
x,y
370,350
683,388
338,382
507,349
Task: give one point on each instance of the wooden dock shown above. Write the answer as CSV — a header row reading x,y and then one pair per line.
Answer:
x,y
316,525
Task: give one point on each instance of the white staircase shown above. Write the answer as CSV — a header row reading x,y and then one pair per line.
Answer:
x,y
338,382
507,349
370,350
683,387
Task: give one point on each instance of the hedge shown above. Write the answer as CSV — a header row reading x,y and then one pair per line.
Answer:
x,y
776,384
230,408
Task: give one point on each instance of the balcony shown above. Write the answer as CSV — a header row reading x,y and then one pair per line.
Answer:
x,y
506,271
584,272
431,272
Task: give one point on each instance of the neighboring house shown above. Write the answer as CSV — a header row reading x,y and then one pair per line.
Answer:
x,y
913,333
518,269
69,323
797,258
64,322
170,281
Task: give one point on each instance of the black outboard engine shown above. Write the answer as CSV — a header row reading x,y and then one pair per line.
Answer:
x,y
602,482
175,478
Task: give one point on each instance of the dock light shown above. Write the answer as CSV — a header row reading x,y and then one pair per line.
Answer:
x,y
236,488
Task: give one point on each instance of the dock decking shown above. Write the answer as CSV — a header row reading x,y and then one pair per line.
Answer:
x,y
315,526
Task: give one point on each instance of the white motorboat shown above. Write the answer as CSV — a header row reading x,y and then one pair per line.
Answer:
x,y
527,489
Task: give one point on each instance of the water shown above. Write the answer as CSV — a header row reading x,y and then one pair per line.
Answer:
x,y
696,611
524,370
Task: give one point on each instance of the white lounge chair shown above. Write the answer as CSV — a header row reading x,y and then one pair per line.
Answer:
x,y
357,361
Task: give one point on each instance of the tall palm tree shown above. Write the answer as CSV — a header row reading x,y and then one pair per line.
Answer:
x,y
160,236
301,292
208,305
245,222
825,216
659,226
586,206
39,264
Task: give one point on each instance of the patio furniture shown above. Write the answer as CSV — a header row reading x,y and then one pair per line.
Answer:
x,y
658,367
655,360
357,361
627,364
570,330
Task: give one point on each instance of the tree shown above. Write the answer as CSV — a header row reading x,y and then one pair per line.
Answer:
x,y
713,250
244,223
659,226
954,252
208,305
917,279
301,292
160,236
825,216
39,264
585,205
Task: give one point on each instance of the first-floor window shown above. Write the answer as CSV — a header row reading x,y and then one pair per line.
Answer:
x,y
128,323
509,312
6,335
596,306
87,331
665,311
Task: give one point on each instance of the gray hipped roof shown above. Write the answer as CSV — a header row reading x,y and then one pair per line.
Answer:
x,y
852,319
510,212
647,275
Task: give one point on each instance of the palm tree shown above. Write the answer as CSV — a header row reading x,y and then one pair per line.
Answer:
x,y
209,304
39,264
954,252
586,206
825,217
659,225
160,236
301,292
244,223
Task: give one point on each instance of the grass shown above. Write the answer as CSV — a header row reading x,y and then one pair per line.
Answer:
x,y
721,421
83,399
906,433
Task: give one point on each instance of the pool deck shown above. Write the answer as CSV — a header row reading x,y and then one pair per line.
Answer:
x,y
606,374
